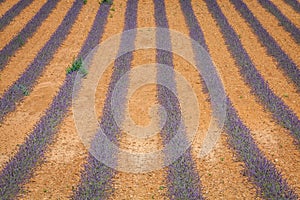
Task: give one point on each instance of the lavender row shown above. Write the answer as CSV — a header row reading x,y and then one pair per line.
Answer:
x,y
258,168
284,21
25,83
261,171
283,60
20,167
281,112
14,11
183,180
96,178
26,32
294,3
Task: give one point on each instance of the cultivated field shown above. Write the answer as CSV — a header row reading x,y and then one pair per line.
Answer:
x,y
254,46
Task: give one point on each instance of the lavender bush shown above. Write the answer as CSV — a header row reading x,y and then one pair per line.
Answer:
x,y
258,168
20,167
26,32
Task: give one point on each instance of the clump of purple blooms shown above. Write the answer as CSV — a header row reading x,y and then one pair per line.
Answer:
x,y
96,178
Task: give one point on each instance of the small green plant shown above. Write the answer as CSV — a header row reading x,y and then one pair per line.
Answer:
x,y
162,187
106,1
23,88
112,9
84,1
76,65
20,41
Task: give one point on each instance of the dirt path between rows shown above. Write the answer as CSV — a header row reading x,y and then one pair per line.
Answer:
x,y
16,25
23,58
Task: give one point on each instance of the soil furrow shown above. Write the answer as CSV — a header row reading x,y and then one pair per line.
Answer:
x,y
141,185
270,23
288,12
274,141
15,68
16,25
278,82
220,162
29,111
